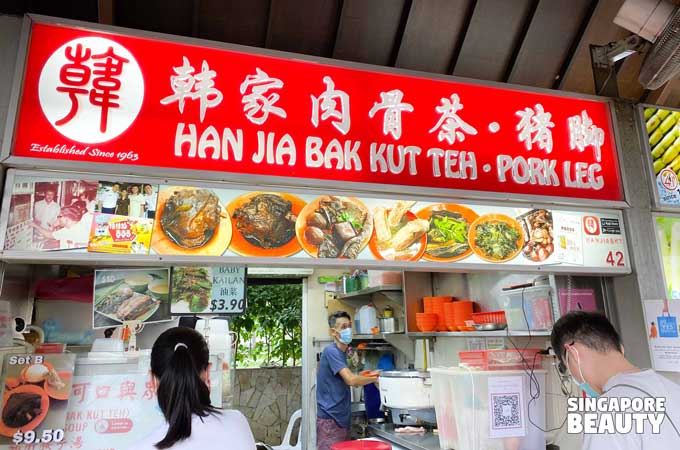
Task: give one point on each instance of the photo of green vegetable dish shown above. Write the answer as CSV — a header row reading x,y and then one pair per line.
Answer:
x,y
448,234
192,285
497,239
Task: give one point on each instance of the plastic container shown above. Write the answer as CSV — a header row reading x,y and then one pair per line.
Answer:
x,y
533,302
383,278
481,318
461,401
502,359
368,319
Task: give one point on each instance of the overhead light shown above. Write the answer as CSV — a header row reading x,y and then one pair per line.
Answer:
x,y
622,55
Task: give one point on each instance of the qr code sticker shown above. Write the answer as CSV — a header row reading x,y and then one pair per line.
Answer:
x,y
506,411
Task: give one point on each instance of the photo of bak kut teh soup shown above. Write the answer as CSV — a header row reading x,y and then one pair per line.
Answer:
x,y
138,282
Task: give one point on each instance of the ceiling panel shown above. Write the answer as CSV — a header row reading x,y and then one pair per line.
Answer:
x,y
600,30
70,9
304,26
553,30
164,16
369,30
496,28
433,34
234,21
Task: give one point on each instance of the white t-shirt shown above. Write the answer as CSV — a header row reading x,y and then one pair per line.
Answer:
x,y
228,430
46,213
137,202
657,386
109,199
151,201
76,236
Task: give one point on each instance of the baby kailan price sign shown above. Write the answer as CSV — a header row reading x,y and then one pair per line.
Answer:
x,y
209,290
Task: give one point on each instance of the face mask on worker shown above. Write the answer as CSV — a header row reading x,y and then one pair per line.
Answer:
x,y
345,336
583,385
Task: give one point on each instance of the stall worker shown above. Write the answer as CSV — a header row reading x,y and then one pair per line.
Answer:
x,y
123,204
589,349
333,381
72,229
108,200
180,375
150,198
137,202
46,211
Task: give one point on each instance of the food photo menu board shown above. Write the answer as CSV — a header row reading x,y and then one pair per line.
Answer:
x,y
213,222
35,398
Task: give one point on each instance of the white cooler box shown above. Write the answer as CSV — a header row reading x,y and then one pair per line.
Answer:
x,y
461,401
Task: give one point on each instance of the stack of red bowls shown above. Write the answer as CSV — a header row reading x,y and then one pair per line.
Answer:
x,y
427,322
435,305
450,316
462,311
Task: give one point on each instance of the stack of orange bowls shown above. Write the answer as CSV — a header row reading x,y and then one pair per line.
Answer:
x,y
427,322
435,305
450,316
462,311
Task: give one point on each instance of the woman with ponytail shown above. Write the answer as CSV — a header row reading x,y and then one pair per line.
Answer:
x,y
179,372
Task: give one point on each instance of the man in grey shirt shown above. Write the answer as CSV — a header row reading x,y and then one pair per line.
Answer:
x,y
591,351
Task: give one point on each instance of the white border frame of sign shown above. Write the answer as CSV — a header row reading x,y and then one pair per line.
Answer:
x,y
659,255
209,314
7,159
97,259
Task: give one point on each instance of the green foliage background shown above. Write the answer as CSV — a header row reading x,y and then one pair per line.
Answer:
x,y
270,333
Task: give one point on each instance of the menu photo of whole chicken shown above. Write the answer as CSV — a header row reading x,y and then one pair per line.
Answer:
x,y
190,221
398,234
264,224
334,227
126,295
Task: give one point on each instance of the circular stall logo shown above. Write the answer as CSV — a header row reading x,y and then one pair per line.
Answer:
x,y
91,89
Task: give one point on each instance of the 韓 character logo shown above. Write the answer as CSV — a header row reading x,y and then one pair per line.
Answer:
x,y
91,89
591,225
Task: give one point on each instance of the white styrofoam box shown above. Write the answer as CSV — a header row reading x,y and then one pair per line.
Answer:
x,y
461,402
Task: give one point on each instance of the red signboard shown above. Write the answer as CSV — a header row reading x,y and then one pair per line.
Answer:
x,y
109,98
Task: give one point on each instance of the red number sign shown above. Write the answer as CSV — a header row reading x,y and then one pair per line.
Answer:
x,y
105,97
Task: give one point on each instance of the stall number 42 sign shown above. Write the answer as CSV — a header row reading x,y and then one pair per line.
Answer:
x,y
228,290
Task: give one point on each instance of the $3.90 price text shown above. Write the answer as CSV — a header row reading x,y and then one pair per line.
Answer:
x,y
21,360
233,305
30,437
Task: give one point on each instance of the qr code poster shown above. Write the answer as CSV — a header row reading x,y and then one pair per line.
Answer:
x,y
506,407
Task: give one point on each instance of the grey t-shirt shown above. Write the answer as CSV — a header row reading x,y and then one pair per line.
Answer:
x,y
657,386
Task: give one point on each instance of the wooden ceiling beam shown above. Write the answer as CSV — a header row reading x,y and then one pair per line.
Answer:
x,y
105,12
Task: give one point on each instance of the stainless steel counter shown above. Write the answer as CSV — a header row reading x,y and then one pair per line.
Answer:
x,y
427,441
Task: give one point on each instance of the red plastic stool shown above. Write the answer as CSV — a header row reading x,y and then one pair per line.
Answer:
x,y
361,445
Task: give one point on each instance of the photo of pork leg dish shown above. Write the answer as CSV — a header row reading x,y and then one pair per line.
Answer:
x,y
266,221
21,408
190,217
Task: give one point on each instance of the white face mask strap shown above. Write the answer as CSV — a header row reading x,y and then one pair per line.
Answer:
x,y
578,363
